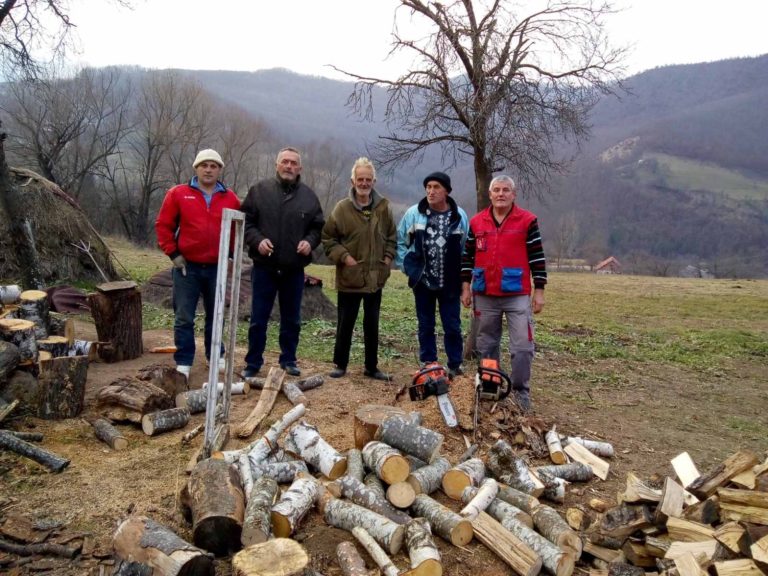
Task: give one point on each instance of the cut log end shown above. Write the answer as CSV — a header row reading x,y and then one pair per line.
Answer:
x,y
281,526
454,483
462,533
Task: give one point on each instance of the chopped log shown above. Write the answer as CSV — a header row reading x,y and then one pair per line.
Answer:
x,y
573,471
521,500
709,549
9,359
294,394
108,434
706,484
554,560
401,494
368,418
303,385
513,551
374,483
554,447
139,539
603,540
602,449
257,522
732,535
389,464
551,525
605,554
704,512
264,406
742,513
508,469
743,497
623,520
361,494
20,333
164,377
195,401
740,567
165,420
352,564
400,433
43,356
599,505
415,462
315,451
51,461
116,311
129,399
498,508
355,466
235,388
554,487
26,436
638,491
429,478
44,549
293,505
215,498
422,551
468,473
687,565
581,454
446,523
759,550
657,547
61,325
62,387
278,557
33,306
246,475
56,345
687,531
576,519
480,500
375,551
280,472
671,503
637,554
346,515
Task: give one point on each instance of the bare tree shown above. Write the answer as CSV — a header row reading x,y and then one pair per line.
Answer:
x,y
566,237
326,166
245,145
495,86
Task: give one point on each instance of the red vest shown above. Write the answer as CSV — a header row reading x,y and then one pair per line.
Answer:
x,y
501,256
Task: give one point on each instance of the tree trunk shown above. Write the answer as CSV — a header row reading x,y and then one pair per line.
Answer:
x,y
317,452
108,434
62,387
429,478
352,564
51,461
257,523
400,433
387,462
422,552
445,522
20,333
165,420
345,515
293,506
468,473
278,557
128,399
116,310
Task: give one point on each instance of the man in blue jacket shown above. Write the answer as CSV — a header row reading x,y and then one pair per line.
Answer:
x,y
430,241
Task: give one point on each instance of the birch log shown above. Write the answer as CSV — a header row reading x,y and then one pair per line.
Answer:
x,y
346,515
429,478
507,468
422,552
554,528
193,400
294,394
401,433
236,388
293,506
374,483
522,500
317,452
388,463
246,475
20,333
482,498
257,523
358,493
401,494
468,473
280,472
165,420
108,434
375,551
554,560
602,449
33,306
446,523
355,466
556,453
352,564
573,471
369,417
498,509
554,487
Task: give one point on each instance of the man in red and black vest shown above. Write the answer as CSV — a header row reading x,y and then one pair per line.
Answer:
x,y
502,257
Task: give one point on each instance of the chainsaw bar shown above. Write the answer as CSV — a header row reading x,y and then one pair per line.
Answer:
x,y
447,410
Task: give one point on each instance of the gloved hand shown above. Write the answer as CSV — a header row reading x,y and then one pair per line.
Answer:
x,y
180,263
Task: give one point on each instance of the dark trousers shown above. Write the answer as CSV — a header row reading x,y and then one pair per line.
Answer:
x,y
200,280
348,306
288,286
450,316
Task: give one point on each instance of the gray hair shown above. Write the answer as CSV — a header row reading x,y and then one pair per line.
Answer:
x,y
289,149
360,163
503,178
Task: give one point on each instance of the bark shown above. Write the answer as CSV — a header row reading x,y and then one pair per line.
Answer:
x,y
554,528
368,418
352,564
165,420
9,294
375,552
192,434
280,472
34,307
246,475
293,505
116,310
554,487
429,478
387,462
573,471
26,436
400,433
193,400
317,452
20,333
278,557
61,325
44,549
482,498
507,468
129,399
355,467
51,461
62,387
554,560
423,554
468,473
108,434
257,522
445,522
345,515
374,483
358,493
9,359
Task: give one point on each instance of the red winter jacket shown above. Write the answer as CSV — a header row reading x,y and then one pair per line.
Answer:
x,y
186,225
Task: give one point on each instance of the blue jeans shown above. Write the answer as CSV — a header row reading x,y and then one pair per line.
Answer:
x,y
288,286
450,316
199,280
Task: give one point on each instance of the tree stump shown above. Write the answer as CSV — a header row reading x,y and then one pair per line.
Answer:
x,y
20,333
34,307
57,345
62,387
368,418
116,310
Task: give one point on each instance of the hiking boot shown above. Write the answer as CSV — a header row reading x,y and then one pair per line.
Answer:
x,y
453,372
250,372
378,375
291,369
337,372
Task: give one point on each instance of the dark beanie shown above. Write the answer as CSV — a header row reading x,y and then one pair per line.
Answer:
x,y
441,177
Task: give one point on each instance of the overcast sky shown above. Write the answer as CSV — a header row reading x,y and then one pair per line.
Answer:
x,y
307,35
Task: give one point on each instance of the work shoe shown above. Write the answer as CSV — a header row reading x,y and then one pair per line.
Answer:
x,y
378,375
523,401
250,372
291,369
453,372
337,372
184,369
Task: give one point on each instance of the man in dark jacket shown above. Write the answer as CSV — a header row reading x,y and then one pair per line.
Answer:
x,y
283,221
359,237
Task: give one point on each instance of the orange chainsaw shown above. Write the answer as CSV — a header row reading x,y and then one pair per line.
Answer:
x,y
490,384
432,380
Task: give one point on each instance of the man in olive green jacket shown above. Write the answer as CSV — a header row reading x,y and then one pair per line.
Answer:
x,y
359,237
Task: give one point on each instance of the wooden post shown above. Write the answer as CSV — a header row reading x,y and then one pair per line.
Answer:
x,y
116,310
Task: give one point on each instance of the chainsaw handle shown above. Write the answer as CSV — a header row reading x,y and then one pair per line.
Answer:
x,y
503,376
425,371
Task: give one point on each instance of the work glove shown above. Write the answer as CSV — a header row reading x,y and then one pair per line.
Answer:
x,y
180,263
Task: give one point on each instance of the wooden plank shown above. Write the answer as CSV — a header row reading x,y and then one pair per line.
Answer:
x,y
706,484
599,466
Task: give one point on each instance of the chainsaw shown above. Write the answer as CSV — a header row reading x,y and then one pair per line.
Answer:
x,y
491,383
432,380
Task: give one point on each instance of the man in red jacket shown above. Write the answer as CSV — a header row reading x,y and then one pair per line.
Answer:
x,y
188,227
502,256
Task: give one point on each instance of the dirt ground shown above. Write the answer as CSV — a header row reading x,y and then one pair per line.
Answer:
x,y
650,414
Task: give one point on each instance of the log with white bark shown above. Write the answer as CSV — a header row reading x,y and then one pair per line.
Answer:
x,y
293,505
554,560
355,467
108,434
445,522
165,420
264,405
346,515
280,472
485,494
316,452
56,345
369,417
573,471
357,492
375,551
144,541
193,400
504,465
192,434
278,557
20,333
554,487
468,473
303,384
602,449
415,463
401,494
236,389
422,551
9,294
51,461
350,561
400,433
257,522
579,453
389,464
246,475
554,528
556,453
497,508
429,478
294,394
374,483
513,551
33,306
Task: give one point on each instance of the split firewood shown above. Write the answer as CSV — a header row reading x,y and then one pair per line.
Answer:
x,y
294,394
352,564
638,491
709,550
363,495
280,472
556,453
26,436
50,460
732,535
375,551
554,560
139,539
400,433
429,478
192,434
389,464
130,399
277,557
551,525
619,522
165,420
706,484
369,417
576,518
602,449
315,451
246,475
573,471
401,494
513,551
257,521
235,389
480,500
638,554
656,547
264,406
446,523
42,549
498,508
608,555
20,333
293,505
33,306
740,567
687,565
620,568
704,512
355,467
468,473
579,453
671,503
600,505
422,551
346,515
687,531
521,500
759,550
108,434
